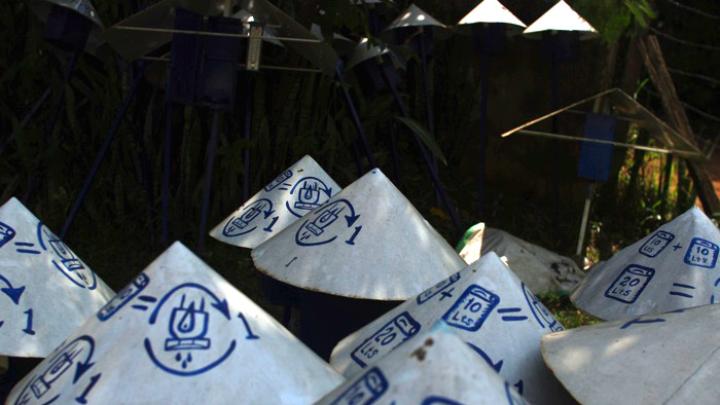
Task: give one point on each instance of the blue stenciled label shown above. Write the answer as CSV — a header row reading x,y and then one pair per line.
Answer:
x,y
249,218
365,391
630,283
123,297
434,290
702,253
542,315
438,400
390,336
280,179
306,195
326,224
656,244
6,234
472,308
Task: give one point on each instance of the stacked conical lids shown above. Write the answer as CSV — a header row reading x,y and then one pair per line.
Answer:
x,y
179,333
674,267
46,291
295,192
670,358
368,241
488,307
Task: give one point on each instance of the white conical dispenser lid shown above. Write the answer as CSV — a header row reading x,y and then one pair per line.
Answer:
x,y
437,368
561,17
488,307
366,242
295,192
670,358
490,11
414,16
179,333
674,267
46,291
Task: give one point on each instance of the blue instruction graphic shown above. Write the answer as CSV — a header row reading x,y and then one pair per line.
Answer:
x,y
325,225
184,341
123,297
12,292
248,220
68,363
472,308
656,244
307,194
497,366
437,288
702,253
280,180
541,314
390,336
366,390
682,290
438,400
628,286
65,260
6,233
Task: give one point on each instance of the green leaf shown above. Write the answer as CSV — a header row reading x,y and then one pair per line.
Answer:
x,y
425,136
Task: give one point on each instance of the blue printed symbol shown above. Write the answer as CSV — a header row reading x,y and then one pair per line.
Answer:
x,y
306,195
513,397
434,290
495,366
390,336
123,297
438,400
6,234
640,321
324,225
72,360
682,290
628,286
542,315
188,345
656,244
65,260
14,293
702,253
715,297
280,179
472,308
243,224
364,391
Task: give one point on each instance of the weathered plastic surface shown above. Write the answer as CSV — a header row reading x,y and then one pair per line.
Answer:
x,y
414,16
669,358
488,307
561,17
46,291
437,368
368,241
542,270
672,268
296,191
490,11
179,334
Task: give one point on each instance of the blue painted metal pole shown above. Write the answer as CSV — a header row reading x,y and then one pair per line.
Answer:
x,y
66,81
247,135
207,181
167,165
482,141
102,153
354,115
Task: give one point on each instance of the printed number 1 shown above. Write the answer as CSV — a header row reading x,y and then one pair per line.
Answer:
x,y
250,335
28,328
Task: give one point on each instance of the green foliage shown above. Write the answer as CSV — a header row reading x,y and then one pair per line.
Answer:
x,y
617,18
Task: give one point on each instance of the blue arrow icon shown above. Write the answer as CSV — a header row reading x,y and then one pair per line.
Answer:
x,y
13,293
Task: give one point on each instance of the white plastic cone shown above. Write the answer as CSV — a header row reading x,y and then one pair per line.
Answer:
x,y
488,307
298,190
490,11
674,267
542,270
46,291
561,17
414,16
366,242
670,358
438,368
179,333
